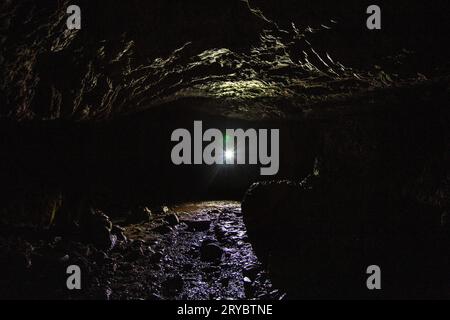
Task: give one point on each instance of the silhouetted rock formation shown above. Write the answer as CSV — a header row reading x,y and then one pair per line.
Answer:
x,y
379,195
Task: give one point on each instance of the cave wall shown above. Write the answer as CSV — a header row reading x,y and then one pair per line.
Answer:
x,y
81,111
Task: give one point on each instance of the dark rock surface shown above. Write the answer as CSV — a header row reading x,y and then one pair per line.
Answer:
x,y
138,215
172,219
114,96
318,238
197,225
210,251
227,54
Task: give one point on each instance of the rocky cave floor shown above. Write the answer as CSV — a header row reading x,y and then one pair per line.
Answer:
x,y
190,251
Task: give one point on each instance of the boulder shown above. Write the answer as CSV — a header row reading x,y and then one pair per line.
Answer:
x,y
317,239
139,215
211,252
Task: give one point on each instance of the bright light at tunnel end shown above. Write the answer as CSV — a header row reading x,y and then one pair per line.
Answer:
x,y
229,154
262,146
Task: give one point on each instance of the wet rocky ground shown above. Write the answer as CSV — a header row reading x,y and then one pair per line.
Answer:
x,y
190,251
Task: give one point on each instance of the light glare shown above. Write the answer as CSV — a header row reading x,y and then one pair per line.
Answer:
x,y
229,154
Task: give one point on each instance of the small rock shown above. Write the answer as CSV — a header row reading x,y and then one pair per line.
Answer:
x,y
173,284
221,232
139,215
198,225
172,219
249,289
117,228
135,254
156,267
119,232
154,297
208,240
102,293
188,266
251,271
97,219
163,229
156,257
274,294
153,242
113,239
160,210
211,252
225,282
138,243
98,227
100,256
102,238
126,266
210,269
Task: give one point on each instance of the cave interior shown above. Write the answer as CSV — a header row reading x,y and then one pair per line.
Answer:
x,y
87,178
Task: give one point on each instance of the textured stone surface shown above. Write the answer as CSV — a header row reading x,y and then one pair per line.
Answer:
x,y
234,59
